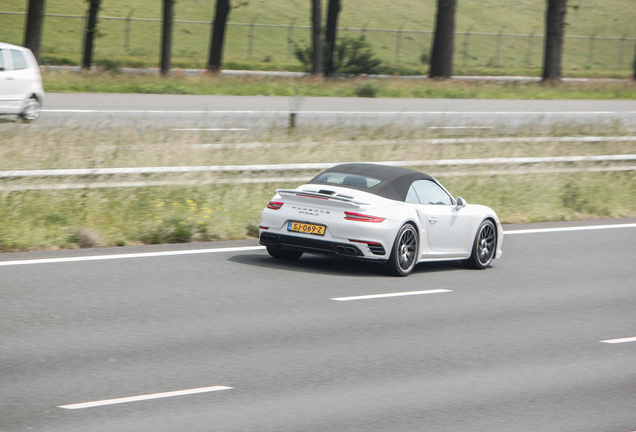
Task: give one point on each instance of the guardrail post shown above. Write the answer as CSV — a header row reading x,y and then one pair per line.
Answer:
x,y
290,38
398,41
250,37
127,31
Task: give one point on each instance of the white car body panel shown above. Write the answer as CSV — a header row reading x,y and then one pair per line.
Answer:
x,y
17,86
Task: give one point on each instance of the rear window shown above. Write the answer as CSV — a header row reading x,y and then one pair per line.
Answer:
x,y
19,62
1,60
342,179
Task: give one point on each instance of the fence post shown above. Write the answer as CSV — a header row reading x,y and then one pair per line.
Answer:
x,y
363,31
529,60
250,37
127,31
590,57
290,38
498,53
466,36
83,32
398,41
621,51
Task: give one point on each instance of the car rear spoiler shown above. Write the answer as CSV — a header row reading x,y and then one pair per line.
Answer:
x,y
328,197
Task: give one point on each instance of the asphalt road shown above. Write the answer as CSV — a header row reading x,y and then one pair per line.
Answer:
x,y
256,113
517,347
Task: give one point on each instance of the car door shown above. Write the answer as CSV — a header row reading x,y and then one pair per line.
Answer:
x,y
447,227
6,81
22,75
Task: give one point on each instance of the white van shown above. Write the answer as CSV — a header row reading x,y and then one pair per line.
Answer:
x,y
21,90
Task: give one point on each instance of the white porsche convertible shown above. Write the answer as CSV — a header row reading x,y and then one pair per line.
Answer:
x,y
396,216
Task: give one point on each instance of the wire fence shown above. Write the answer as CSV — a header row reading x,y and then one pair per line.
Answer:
x,y
261,42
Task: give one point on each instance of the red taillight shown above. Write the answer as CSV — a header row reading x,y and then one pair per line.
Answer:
x,y
362,218
274,205
263,227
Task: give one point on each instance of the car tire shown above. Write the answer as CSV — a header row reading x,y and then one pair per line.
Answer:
x,y
31,110
405,251
286,254
484,246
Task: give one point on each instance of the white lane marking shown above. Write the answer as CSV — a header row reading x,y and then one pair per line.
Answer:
x,y
126,256
144,397
211,129
616,341
543,113
579,228
399,294
461,127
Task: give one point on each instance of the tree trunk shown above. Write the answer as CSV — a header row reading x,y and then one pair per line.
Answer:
x,y
442,52
330,35
33,32
634,77
166,40
554,29
91,29
316,38
218,34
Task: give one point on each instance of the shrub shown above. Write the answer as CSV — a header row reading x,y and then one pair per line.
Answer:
x,y
367,90
352,56
84,238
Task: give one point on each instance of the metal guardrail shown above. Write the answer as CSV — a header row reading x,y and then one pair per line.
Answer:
x,y
310,166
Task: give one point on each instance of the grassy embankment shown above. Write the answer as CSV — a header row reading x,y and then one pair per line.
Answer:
x,y
42,219
271,51
204,84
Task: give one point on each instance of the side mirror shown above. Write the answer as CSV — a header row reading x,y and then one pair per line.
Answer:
x,y
460,203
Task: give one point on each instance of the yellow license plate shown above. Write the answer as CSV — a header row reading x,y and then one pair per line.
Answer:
x,y
306,228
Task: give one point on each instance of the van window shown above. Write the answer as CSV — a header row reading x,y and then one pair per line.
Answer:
x,y
1,60
19,62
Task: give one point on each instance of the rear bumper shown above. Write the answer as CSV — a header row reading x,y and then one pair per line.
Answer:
x,y
314,246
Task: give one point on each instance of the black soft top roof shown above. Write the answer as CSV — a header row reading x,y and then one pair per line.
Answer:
x,y
395,180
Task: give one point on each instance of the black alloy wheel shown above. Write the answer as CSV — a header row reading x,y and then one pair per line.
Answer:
x,y
484,246
405,251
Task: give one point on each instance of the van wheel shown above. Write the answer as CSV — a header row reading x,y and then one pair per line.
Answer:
x,y
31,110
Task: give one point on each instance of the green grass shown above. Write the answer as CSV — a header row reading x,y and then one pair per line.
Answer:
x,y
203,84
612,18
35,219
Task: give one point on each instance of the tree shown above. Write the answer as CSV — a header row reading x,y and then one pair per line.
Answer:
x,y
442,52
91,31
330,35
554,29
218,34
166,39
316,38
33,32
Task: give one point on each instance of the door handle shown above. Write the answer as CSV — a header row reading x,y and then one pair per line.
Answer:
x,y
432,220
